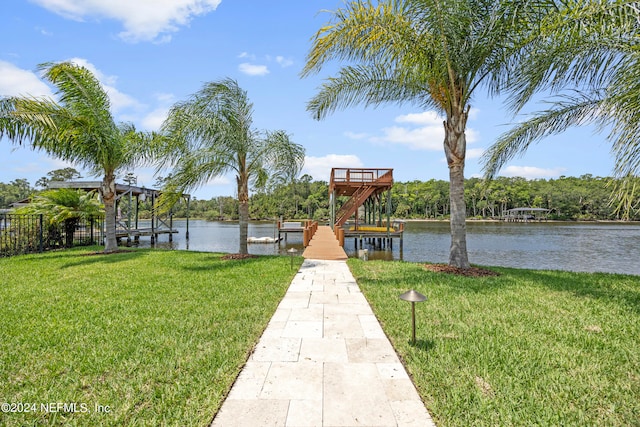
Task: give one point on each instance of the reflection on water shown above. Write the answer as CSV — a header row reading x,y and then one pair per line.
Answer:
x,y
588,247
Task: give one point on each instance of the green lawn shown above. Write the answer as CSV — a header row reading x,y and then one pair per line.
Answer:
x,y
526,348
157,337
139,338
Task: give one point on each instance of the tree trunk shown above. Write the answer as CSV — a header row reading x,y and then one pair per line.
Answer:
x,y
243,210
69,231
108,193
455,149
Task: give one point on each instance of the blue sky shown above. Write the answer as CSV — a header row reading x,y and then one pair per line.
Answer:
x,y
150,54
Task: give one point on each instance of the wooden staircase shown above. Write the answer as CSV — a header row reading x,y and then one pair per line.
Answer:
x,y
351,206
359,185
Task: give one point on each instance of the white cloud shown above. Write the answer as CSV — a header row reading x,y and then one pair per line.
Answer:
x,y
218,181
260,70
355,135
252,69
531,172
426,118
423,131
284,62
165,97
143,20
44,31
424,138
320,167
247,55
153,120
474,153
15,81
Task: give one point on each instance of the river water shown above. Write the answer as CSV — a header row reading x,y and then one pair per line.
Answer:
x,y
590,247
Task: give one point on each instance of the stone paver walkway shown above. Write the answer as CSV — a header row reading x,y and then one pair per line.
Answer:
x,y
323,361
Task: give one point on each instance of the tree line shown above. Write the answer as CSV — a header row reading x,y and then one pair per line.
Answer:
x,y
584,198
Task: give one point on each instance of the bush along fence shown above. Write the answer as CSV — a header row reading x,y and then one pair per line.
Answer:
x,y
25,233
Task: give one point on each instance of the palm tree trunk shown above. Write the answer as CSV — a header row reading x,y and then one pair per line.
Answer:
x,y
455,150
108,192
243,210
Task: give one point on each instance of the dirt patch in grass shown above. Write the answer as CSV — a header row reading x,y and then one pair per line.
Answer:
x,y
238,256
469,272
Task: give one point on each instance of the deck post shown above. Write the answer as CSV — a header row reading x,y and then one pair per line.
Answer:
x,y
153,217
186,235
170,225
332,208
389,213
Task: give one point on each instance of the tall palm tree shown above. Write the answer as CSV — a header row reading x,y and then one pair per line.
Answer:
x,y
210,134
585,55
78,128
432,53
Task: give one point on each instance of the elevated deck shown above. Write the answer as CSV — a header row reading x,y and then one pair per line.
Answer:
x,y
363,187
346,181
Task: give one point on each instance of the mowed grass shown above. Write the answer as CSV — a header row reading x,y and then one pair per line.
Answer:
x,y
543,348
138,338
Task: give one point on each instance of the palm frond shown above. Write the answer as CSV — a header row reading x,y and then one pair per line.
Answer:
x,y
281,157
571,111
361,31
63,204
624,196
370,85
580,44
80,91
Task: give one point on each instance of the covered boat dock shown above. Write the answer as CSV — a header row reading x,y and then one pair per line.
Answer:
x,y
526,214
131,195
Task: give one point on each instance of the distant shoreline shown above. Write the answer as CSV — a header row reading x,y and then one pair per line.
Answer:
x,y
595,221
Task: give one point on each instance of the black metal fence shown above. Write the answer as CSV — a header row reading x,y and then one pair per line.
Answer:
x,y
23,233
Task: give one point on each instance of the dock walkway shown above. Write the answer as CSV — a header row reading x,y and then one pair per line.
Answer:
x,y
323,360
324,245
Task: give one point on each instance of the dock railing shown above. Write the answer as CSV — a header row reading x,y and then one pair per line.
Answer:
x,y
340,176
307,227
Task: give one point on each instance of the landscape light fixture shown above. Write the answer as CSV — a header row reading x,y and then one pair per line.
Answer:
x,y
413,297
292,252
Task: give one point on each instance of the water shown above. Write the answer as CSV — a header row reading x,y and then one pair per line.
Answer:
x,y
590,247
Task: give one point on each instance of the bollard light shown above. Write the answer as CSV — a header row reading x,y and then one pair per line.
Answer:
x,y
292,252
413,297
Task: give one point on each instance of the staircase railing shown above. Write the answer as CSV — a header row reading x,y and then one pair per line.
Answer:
x,y
357,198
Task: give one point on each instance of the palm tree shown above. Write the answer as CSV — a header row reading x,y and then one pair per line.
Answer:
x,y
66,207
210,135
585,56
78,128
431,53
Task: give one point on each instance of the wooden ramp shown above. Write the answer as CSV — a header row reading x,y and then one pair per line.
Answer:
x,y
324,245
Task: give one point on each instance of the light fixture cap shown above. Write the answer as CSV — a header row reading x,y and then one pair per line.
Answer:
x,y
413,296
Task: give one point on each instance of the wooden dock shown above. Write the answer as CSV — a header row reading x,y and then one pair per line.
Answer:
x,y
137,232
324,245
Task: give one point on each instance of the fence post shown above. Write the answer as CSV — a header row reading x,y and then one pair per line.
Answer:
x,y
92,222
41,234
